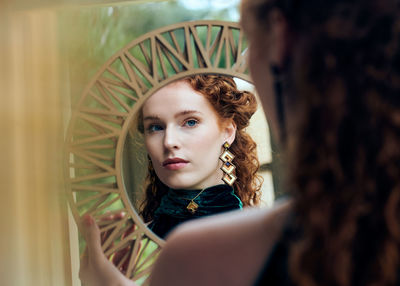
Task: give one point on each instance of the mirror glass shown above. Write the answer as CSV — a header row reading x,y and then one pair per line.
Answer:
x,y
135,157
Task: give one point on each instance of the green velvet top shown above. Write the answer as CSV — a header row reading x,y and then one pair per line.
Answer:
x,y
173,208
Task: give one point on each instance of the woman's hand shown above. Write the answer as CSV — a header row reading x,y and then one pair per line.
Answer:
x,y
95,268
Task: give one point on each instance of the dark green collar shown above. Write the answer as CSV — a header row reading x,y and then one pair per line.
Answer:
x,y
212,200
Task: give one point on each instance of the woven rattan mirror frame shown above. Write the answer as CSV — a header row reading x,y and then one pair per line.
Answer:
x,y
100,123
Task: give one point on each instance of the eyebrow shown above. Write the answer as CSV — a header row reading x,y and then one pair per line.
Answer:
x,y
184,112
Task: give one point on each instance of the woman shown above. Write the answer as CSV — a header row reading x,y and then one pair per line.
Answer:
x,y
340,65
185,125
328,76
201,160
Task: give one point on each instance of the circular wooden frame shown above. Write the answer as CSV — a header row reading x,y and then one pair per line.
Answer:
x,y
101,119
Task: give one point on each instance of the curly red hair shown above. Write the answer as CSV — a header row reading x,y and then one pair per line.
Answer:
x,y
345,159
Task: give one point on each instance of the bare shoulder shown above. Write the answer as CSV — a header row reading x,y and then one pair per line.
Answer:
x,y
227,249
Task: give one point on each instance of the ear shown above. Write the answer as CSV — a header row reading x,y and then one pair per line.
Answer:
x,y
229,131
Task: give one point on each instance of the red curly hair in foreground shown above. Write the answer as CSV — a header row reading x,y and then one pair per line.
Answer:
x,y
345,161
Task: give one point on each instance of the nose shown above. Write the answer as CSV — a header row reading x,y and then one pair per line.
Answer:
x,y
171,138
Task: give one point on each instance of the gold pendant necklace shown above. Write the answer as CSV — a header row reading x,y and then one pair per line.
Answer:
x,y
192,206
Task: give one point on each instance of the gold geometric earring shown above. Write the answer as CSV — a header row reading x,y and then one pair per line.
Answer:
x,y
227,166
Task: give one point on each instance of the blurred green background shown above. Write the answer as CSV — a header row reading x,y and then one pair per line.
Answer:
x,y
92,34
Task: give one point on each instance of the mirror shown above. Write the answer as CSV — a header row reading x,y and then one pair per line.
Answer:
x,y
135,157
97,134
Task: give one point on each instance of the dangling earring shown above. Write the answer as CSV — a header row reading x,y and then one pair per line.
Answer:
x,y
228,167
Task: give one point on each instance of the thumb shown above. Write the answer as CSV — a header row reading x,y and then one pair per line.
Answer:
x,y
91,233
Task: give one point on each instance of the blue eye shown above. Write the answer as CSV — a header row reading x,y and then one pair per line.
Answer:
x,y
191,122
154,128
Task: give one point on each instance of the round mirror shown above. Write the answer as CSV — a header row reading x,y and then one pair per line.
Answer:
x,y
135,156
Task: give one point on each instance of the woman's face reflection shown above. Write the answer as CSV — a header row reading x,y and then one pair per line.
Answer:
x,y
184,137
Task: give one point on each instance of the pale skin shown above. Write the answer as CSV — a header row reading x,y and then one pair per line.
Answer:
x,y
228,249
184,137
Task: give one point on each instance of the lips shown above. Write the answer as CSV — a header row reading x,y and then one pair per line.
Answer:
x,y
174,163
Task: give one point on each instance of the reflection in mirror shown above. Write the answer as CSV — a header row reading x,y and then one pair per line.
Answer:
x,y
175,160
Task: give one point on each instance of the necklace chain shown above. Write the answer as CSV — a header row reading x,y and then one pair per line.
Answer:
x,y
198,195
195,196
